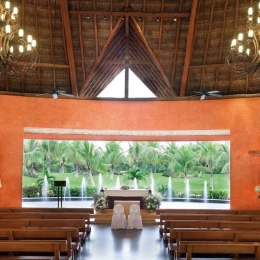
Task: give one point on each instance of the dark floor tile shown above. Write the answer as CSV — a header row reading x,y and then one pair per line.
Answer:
x,y
104,243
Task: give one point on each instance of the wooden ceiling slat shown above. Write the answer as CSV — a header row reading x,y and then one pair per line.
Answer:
x,y
155,60
81,44
235,28
207,42
144,8
111,36
188,47
135,14
95,28
176,44
37,39
23,21
111,17
221,42
160,32
66,24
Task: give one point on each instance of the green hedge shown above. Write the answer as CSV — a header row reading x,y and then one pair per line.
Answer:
x,y
218,194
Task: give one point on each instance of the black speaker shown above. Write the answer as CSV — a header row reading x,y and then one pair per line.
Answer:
x,y
60,183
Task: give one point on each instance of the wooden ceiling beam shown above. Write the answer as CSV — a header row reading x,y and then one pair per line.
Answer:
x,y
95,29
202,85
160,32
189,47
81,44
150,51
144,8
176,44
221,43
68,38
91,73
131,13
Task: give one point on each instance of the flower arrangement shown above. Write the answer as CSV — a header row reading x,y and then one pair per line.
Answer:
x,y
125,187
100,201
257,189
152,201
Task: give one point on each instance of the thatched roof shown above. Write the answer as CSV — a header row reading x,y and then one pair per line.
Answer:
x,y
174,47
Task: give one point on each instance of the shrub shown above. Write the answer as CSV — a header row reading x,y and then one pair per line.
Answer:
x,y
218,194
31,191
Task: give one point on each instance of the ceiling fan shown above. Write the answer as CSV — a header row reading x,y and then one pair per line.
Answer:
x,y
55,93
203,94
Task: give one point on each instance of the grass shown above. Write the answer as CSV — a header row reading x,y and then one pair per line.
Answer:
x,y
220,181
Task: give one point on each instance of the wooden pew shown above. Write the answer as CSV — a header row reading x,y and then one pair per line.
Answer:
x,y
49,215
71,235
27,248
208,211
68,210
207,224
178,235
169,216
195,247
76,223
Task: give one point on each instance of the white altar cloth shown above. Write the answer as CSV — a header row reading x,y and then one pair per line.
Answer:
x,y
126,193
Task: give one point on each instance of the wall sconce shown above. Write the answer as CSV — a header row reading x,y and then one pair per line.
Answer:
x,y
1,183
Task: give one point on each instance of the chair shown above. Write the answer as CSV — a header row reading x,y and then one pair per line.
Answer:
x,y
118,218
134,217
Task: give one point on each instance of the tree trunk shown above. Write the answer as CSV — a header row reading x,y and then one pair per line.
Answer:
x,y
211,180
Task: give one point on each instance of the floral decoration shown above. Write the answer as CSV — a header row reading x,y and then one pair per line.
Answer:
x,y
257,189
152,201
100,201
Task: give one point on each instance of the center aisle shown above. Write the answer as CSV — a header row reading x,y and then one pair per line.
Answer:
x,y
104,243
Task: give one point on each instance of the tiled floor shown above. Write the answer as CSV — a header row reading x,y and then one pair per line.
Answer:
x,y
104,243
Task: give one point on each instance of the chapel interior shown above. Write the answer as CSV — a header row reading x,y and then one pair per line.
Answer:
x,y
206,87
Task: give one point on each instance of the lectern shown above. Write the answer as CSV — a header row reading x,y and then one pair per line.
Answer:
x,y
59,185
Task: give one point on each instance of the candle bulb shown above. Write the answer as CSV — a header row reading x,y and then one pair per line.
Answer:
x,y
233,43
15,10
20,33
247,51
33,43
250,11
29,38
240,37
7,28
240,49
7,5
250,33
21,49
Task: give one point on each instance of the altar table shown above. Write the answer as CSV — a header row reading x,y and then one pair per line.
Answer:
x,y
126,195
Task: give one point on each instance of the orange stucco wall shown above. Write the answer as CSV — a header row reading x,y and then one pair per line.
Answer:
x,y
240,116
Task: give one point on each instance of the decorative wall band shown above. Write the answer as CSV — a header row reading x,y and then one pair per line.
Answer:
x,y
61,131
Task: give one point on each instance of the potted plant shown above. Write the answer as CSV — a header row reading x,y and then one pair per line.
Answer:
x,y
100,201
152,201
257,190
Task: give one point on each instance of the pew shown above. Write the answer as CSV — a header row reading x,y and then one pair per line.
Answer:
x,y
49,215
76,223
32,249
170,216
177,235
59,210
208,211
71,235
220,248
207,224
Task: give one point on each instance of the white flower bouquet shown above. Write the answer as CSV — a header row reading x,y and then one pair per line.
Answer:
x,y
100,201
152,201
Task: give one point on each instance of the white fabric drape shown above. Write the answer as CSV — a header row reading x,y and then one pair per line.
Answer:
x,y
118,218
134,217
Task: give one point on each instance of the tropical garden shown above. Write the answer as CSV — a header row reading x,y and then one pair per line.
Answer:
x,y
165,167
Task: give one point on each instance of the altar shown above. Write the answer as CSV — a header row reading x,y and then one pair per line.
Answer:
x,y
126,195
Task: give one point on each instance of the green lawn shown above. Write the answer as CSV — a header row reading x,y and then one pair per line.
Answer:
x,y
221,182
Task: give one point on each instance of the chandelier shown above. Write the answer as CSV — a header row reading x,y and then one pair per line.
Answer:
x,y
17,52
243,57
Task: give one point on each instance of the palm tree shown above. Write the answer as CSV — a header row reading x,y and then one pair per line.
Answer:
x,y
211,157
60,153
113,155
74,155
168,157
136,173
151,155
32,157
134,153
91,157
185,161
